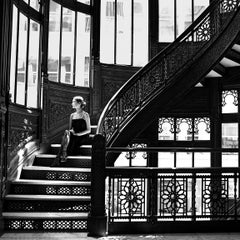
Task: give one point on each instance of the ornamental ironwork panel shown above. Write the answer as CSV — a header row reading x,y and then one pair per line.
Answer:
x,y
178,194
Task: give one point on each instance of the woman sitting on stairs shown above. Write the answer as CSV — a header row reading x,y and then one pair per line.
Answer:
x,y
78,133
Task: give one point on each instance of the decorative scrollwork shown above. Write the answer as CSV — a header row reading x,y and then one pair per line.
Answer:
x,y
131,197
173,196
161,121
233,93
205,120
180,121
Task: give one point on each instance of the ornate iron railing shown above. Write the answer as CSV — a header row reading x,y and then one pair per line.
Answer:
x,y
173,194
162,70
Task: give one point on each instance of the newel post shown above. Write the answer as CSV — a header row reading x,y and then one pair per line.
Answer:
x,y
97,219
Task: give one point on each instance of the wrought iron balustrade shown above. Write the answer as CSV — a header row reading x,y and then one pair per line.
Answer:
x,y
142,194
152,194
163,69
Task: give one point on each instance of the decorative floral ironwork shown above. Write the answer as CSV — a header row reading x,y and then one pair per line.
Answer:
x,y
229,5
132,154
131,197
203,33
215,196
173,196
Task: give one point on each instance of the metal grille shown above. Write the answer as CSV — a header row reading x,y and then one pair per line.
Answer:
x,y
41,224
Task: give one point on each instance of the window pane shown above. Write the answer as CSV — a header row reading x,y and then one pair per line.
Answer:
x,y
230,160
21,62
184,160
84,1
230,101
166,20
184,129
124,26
83,50
230,135
140,37
199,7
202,159
32,92
67,51
107,31
166,160
201,129
184,15
54,38
13,53
166,129
35,4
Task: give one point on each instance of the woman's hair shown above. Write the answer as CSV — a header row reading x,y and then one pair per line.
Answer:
x,y
80,100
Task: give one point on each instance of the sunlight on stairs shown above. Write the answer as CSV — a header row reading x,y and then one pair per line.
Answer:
x,y
51,198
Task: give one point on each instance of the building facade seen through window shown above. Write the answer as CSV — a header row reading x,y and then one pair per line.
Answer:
x,y
69,46
124,32
24,73
175,16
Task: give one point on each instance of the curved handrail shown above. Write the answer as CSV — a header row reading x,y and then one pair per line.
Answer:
x,y
160,72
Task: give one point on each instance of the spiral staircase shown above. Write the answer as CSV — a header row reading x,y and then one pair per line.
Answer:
x,y
208,48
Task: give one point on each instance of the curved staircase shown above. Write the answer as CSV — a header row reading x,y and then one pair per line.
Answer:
x,y
206,49
51,198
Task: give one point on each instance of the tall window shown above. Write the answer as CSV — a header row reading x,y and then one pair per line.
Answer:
x,y
124,32
230,127
69,46
175,16
24,73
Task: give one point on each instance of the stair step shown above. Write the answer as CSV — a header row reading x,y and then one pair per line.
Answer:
x,y
56,173
41,203
49,182
51,188
84,150
45,215
72,161
47,197
49,221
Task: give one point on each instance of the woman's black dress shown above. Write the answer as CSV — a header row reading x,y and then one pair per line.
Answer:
x,y
78,125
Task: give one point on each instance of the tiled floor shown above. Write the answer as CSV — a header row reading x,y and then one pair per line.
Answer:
x,y
81,236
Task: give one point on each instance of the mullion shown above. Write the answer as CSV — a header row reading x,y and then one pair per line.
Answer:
x,y
27,53
115,33
16,60
60,46
75,48
132,32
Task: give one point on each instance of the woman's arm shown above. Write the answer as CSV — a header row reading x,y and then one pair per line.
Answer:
x,y
70,121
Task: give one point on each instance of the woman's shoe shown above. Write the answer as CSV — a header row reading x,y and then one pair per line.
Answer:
x,y
63,157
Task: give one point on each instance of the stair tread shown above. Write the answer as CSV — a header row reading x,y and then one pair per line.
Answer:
x,y
46,197
50,182
44,155
56,145
37,215
60,169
